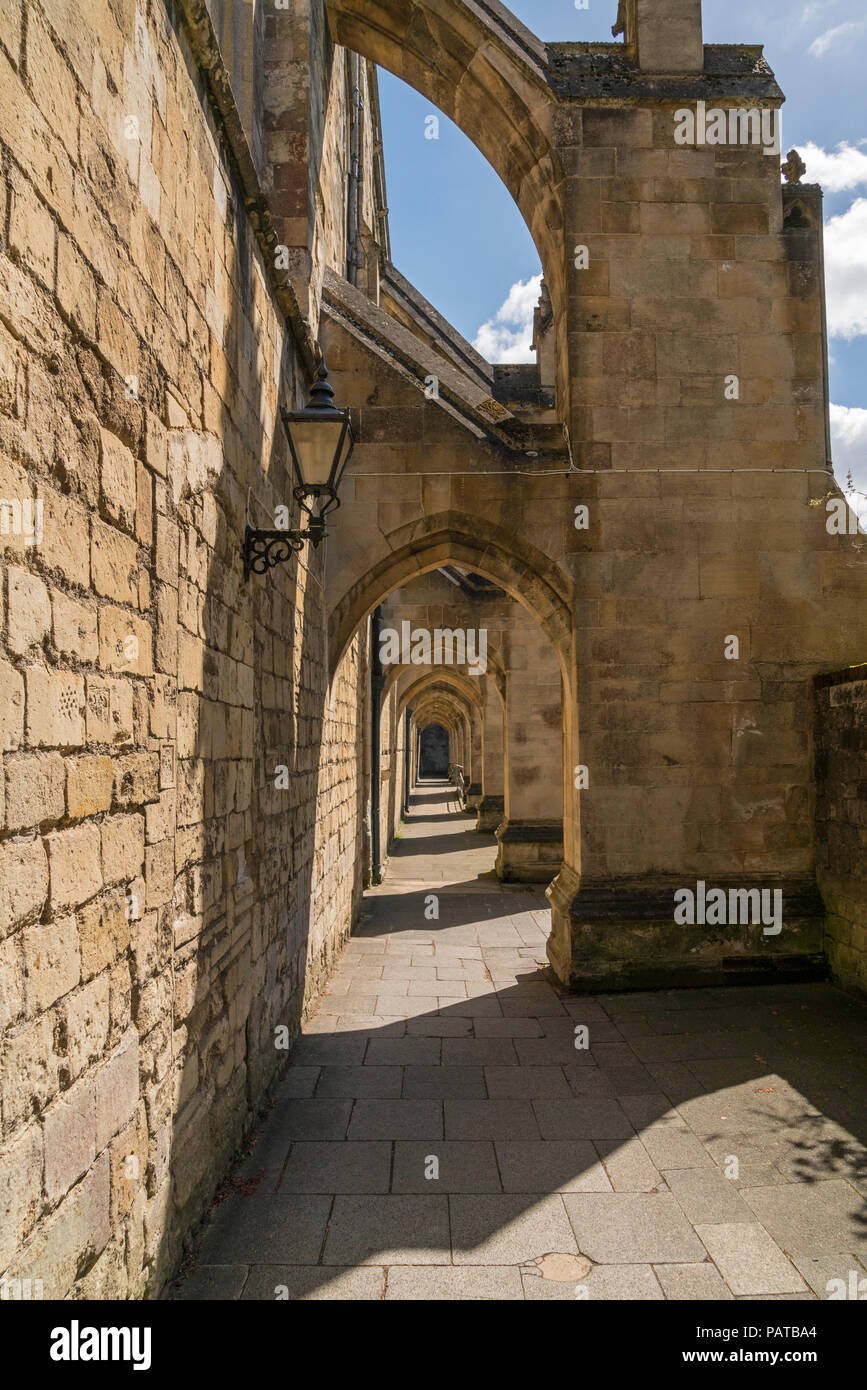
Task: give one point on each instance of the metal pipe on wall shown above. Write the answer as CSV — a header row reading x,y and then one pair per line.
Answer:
x,y
354,258
376,683
407,756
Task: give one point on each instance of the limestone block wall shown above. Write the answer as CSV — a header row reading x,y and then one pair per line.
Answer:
x,y
841,820
182,793
699,364
390,773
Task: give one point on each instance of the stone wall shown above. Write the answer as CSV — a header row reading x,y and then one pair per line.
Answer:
x,y
841,820
181,796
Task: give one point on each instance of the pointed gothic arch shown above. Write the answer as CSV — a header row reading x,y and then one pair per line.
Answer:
x,y
489,74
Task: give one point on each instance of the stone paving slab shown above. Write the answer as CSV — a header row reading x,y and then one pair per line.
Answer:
x,y
337,1167
674,1146
314,1119
480,1051
702,1282
438,1136
539,1167
526,1081
846,1269
395,1229
432,1026
508,1230
749,1260
632,1228
262,1229
301,1282
491,1119
396,1119
444,1080
706,1196
590,1117
379,1083
466,1282
628,1165
464,1166
812,1219
605,1283
215,1282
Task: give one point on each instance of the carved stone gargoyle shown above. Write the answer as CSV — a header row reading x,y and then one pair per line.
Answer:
x,y
794,167
620,26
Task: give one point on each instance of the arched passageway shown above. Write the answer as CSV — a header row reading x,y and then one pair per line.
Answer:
x,y
501,658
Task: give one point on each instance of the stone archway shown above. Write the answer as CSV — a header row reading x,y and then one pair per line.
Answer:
x,y
490,75
456,679
443,709
449,687
528,575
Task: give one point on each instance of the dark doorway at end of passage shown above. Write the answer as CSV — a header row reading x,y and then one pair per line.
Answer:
x,y
434,758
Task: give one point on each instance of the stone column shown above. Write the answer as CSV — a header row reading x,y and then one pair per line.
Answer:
x,y
664,35
492,805
697,347
474,769
531,835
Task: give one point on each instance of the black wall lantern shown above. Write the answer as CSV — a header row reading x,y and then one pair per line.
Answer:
x,y
321,442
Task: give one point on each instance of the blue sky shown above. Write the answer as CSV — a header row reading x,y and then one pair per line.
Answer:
x,y
458,236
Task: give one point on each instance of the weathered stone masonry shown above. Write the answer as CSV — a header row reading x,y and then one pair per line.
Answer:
x,y
163,905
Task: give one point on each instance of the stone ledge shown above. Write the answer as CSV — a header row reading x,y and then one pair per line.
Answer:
x,y
851,673
526,833
528,852
491,812
605,72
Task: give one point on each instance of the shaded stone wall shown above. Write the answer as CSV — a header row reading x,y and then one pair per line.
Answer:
x,y
841,820
182,796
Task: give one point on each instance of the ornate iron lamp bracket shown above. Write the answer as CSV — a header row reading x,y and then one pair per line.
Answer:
x,y
265,549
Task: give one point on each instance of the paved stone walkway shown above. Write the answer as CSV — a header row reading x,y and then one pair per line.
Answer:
x,y
438,1135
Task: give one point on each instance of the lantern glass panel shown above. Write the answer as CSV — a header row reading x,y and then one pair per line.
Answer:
x,y
316,443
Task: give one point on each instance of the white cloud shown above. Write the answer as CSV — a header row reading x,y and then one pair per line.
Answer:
x,y
849,452
508,335
819,47
812,11
836,170
846,271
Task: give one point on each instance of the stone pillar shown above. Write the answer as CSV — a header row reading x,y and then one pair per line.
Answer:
x,y
701,347
474,769
531,836
492,805
664,35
